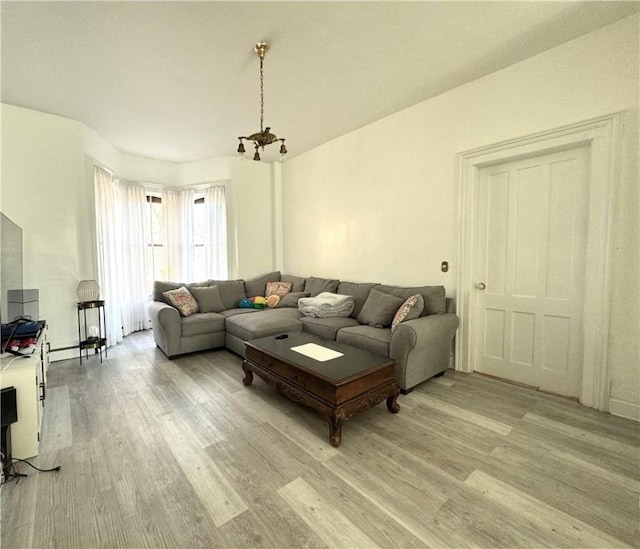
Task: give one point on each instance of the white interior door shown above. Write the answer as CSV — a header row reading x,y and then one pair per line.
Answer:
x,y
530,254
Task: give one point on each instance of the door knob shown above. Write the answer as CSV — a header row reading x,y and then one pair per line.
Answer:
x,y
481,285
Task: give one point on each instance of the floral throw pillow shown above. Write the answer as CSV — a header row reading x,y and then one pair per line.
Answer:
x,y
182,300
278,288
410,309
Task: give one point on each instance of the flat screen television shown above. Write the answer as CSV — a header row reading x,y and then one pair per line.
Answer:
x,y
10,262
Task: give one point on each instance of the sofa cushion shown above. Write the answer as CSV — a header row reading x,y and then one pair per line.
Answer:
x,y
160,287
410,309
257,286
182,300
278,288
231,291
263,323
208,298
203,284
326,328
291,299
368,338
379,309
298,282
202,323
434,296
315,285
359,291
237,311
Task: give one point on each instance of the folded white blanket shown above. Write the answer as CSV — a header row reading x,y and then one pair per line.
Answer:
x,y
326,304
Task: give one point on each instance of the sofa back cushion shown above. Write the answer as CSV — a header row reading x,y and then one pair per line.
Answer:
x,y
315,285
359,291
291,299
208,298
434,296
231,291
160,286
379,309
297,282
257,286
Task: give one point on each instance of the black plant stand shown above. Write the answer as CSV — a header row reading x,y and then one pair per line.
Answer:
x,y
99,342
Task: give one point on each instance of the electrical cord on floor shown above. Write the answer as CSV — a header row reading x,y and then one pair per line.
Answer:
x,y
11,472
53,469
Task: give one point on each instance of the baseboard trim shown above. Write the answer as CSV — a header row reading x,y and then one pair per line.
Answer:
x,y
624,409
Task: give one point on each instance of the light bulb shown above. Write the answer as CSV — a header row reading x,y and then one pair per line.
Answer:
x,y
92,332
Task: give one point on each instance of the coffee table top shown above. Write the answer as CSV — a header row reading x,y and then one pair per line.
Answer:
x,y
353,362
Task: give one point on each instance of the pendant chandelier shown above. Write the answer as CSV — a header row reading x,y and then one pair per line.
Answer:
x,y
264,137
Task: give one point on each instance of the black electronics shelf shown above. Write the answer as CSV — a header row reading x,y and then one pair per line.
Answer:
x,y
96,341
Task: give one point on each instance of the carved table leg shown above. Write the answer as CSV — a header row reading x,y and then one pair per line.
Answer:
x,y
335,430
248,374
392,402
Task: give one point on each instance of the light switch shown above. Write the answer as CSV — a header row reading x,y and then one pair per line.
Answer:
x,y
444,266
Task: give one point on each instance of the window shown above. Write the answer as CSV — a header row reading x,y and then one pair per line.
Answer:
x,y
199,241
154,240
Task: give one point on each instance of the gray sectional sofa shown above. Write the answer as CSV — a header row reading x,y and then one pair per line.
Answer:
x,y
421,346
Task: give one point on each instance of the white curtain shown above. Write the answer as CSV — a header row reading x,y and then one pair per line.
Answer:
x,y
121,254
179,232
216,236
178,210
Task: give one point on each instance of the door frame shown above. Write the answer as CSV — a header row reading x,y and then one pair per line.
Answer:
x,y
602,137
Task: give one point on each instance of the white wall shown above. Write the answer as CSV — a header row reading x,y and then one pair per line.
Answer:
x,y
45,191
381,203
252,199
207,170
148,170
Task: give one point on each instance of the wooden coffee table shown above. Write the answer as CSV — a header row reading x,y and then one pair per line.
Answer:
x,y
337,388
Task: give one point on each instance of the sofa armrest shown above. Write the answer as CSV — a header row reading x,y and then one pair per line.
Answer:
x,y
421,347
167,327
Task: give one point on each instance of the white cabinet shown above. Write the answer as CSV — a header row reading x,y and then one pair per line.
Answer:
x,y
28,374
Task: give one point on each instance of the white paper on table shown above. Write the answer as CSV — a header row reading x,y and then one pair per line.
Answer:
x,y
317,352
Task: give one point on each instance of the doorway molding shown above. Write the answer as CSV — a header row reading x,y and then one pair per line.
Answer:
x,y
602,136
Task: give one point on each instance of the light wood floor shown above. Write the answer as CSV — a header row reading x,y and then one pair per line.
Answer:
x,y
159,453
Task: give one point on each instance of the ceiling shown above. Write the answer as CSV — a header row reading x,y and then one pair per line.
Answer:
x,y
179,81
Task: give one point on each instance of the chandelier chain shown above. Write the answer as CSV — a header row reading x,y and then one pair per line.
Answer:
x,y
261,98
